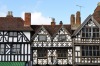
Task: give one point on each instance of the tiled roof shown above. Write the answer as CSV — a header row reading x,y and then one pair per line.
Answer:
x,y
13,23
50,29
68,27
96,14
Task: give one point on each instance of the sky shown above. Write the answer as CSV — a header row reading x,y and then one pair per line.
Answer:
x,y
43,10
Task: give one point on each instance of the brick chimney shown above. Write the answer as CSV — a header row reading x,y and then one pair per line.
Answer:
x,y
27,19
78,19
72,21
53,22
9,14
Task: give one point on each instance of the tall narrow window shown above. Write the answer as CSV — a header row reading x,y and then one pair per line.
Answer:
x,y
1,48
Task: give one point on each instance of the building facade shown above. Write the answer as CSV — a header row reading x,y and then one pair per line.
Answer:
x,y
74,44
15,40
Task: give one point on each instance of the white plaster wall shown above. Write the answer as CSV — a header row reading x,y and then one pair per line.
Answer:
x,y
27,34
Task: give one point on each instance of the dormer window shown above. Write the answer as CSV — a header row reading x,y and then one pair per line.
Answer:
x,y
12,34
42,38
62,38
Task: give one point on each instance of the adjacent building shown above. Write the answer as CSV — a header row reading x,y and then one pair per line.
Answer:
x,y
15,40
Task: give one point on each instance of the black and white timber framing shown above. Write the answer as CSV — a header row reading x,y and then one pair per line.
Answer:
x,y
14,46
52,50
72,44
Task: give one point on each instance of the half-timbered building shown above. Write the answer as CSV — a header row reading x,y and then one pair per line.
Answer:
x,y
15,40
74,44
86,40
52,44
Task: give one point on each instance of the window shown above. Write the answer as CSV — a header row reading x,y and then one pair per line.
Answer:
x,y
42,53
16,49
1,48
90,51
62,53
62,38
42,38
90,32
12,34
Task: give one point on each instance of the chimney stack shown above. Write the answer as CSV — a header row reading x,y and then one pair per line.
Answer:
x,y
78,19
75,22
72,21
9,14
27,19
53,22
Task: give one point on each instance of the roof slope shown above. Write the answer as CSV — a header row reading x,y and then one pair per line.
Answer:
x,y
13,23
96,14
51,30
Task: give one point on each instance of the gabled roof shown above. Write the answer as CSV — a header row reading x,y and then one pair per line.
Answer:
x,y
82,25
51,30
13,24
68,28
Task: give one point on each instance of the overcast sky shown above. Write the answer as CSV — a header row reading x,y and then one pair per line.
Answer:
x,y
43,10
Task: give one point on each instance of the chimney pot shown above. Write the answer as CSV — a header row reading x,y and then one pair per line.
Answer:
x,y
53,22
78,18
9,14
72,21
61,23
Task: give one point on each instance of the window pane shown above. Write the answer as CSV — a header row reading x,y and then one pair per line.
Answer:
x,y
83,34
42,53
1,51
2,45
87,35
14,34
90,53
98,54
42,37
62,38
62,53
83,53
83,30
94,53
16,49
10,33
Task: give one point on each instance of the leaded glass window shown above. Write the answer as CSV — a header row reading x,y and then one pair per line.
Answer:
x,y
12,34
62,53
42,38
62,38
42,53
90,51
